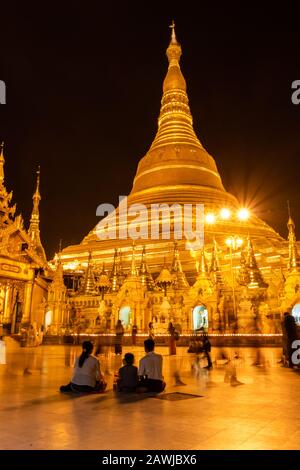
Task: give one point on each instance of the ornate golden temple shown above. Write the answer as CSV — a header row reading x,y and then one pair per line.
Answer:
x,y
241,281
24,271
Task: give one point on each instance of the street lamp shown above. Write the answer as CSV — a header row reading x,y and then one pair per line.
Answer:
x,y
233,243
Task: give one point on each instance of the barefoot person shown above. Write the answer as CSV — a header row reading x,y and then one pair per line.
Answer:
x,y
86,375
150,369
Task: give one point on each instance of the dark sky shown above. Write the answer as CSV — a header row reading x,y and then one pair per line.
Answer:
x,y
84,85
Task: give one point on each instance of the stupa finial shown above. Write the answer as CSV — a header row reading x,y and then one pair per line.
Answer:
x,y
173,34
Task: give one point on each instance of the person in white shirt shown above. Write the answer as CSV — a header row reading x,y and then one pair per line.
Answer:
x,y
150,369
86,376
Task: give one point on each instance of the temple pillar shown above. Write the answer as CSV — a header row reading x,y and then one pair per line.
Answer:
x,y
28,290
7,310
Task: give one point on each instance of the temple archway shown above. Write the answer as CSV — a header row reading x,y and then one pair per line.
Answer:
x,y
200,317
125,315
296,313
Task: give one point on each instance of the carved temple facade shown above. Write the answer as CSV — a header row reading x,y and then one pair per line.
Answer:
x,y
24,271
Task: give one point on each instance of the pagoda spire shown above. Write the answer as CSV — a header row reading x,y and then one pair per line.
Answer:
x,y
175,122
243,276
34,227
215,270
58,278
144,273
114,278
293,261
173,34
7,212
255,277
202,266
176,155
89,284
180,281
133,269
121,274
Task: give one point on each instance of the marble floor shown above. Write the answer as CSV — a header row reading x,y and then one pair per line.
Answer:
x,y
261,413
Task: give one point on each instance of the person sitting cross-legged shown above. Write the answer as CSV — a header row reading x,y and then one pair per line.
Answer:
x,y
128,375
150,370
87,376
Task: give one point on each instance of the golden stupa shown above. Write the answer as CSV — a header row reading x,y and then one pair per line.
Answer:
x,y
241,278
177,169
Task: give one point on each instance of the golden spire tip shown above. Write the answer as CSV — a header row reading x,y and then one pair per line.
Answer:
x,y
173,35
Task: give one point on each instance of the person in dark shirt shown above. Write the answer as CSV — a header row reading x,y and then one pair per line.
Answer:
x,y
128,375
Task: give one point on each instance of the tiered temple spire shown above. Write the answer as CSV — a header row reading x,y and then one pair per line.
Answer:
x,y
180,281
293,261
255,277
215,270
34,228
175,122
144,273
133,269
89,284
202,266
114,278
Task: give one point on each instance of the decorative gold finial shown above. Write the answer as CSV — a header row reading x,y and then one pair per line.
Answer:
x,y
173,35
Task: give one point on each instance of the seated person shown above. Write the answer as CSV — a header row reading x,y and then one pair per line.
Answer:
x,y
150,369
86,375
127,380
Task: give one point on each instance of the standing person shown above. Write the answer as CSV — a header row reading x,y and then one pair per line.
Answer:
x,y
151,331
119,337
150,369
2,350
133,334
206,348
172,341
86,376
290,334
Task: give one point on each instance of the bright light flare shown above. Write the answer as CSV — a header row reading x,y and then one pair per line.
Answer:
x,y
225,213
243,214
210,218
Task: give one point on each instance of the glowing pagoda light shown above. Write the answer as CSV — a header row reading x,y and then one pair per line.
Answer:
x,y
243,214
229,241
239,242
225,213
210,218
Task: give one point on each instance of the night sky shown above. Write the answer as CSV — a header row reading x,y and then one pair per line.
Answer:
x,y
84,84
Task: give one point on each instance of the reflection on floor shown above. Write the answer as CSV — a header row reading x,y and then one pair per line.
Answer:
x,y
260,414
